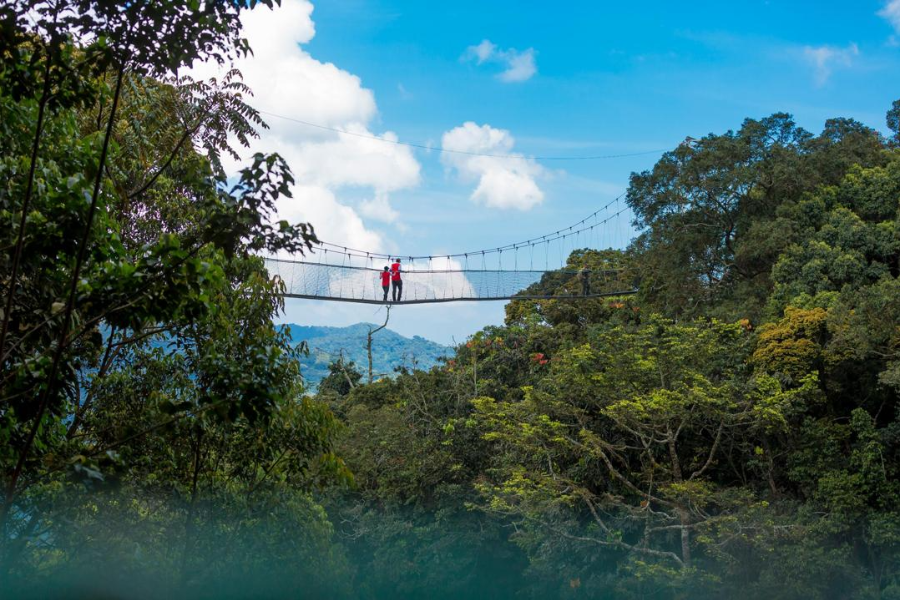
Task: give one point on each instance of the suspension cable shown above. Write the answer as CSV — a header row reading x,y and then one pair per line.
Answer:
x,y
560,233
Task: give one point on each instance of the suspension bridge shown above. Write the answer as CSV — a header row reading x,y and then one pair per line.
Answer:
x,y
533,269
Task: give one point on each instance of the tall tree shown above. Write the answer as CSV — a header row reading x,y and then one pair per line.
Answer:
x,y
709,210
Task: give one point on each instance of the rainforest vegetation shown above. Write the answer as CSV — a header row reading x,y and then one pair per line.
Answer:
x,y
732,431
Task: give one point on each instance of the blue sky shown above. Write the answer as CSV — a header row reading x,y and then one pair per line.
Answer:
x,y
608,78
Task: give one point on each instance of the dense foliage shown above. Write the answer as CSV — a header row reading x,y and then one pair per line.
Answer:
x,y
151,414
731,431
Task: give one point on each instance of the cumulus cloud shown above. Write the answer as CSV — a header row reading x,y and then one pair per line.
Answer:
x,y
482,51
891,13
825,59
503,182
333,221
286,80
379,209
518,66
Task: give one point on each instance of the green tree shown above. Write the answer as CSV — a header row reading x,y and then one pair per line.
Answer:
x,y
619,446
893,120
139,349
708,210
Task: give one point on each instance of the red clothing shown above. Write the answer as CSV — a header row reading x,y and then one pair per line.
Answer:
x,y
395,272
385,278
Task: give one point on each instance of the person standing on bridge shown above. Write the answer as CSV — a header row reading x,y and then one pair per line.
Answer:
x,y
585,275
397,282
385,282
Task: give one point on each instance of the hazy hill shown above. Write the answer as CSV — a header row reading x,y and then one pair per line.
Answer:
x,y
389,349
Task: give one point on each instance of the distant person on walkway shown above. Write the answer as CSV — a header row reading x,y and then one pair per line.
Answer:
x,y
385,282
585,275
397,291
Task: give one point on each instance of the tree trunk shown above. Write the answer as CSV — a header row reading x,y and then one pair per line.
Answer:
x,y
684,518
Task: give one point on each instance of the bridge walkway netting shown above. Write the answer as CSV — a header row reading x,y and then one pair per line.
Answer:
x,y
350,283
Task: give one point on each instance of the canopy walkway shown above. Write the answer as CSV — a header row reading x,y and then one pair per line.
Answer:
x,y
320,281
534,269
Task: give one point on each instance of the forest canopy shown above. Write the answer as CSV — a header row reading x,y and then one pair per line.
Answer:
x,y
730,431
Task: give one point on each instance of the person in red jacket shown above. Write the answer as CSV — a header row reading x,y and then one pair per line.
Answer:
x,y
397,291
385,282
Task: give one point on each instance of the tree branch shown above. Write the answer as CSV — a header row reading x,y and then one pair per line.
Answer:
x,y
712,453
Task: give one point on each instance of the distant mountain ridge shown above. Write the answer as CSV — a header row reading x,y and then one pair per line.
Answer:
x,y
389,349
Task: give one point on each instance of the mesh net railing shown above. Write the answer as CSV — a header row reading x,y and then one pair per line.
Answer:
x,y
363,284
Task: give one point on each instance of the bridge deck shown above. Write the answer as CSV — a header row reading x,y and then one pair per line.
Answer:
x,y
440,300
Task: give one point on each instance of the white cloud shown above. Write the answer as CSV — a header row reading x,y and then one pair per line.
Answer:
x,y
891,13
379,209
286,80
349,160
502,182
521,67
825,58
334,222
482,51
518,66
